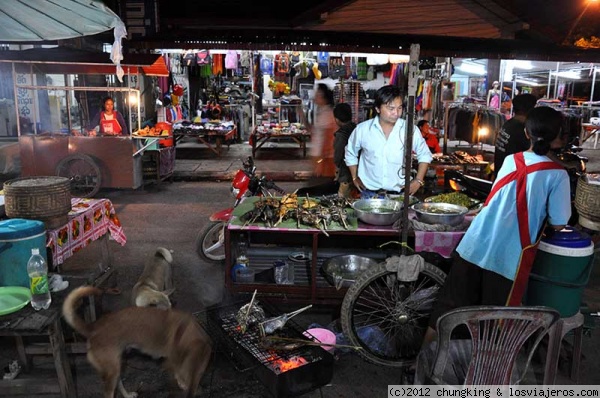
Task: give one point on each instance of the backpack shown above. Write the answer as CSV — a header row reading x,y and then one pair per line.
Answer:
x,y
203,57
266,66
189,58
283,63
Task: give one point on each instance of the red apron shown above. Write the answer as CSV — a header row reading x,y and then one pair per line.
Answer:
x,y
528,248
110,127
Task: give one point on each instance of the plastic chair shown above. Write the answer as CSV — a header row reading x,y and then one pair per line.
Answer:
x,y
498,335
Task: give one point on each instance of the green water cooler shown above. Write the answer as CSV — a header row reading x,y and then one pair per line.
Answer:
x,y
561,271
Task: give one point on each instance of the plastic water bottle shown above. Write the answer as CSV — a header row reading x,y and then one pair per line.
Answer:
x,y
241,260
38,279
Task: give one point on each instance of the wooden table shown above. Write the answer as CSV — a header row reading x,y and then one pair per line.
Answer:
x,y
28,322
269,244
205,135
588,130
259,137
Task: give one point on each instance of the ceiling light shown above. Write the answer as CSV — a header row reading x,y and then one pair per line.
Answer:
x,y
472,68
529,82
568,74
522,65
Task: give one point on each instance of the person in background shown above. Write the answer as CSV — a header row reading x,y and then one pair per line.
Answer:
x,y
322,133
342,113
109,120
430,138
512,138
380,141
530,191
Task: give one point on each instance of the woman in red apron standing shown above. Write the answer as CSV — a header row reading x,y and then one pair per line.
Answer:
x,y
108,119
494,257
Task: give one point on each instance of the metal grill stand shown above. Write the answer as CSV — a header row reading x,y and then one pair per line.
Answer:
x,y
284,373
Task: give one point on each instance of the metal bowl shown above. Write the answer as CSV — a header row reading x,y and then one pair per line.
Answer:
x,y
377,211
440,213
342,271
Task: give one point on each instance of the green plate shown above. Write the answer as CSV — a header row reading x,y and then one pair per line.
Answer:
x,y
13,298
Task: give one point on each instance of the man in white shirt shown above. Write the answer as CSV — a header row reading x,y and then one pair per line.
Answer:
x,y
380,141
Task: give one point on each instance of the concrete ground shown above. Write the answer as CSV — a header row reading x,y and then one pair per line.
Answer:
x,y
170,215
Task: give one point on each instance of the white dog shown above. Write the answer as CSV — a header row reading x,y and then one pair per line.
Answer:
x,y
156,282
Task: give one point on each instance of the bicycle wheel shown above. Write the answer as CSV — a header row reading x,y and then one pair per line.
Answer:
x,y
84,174
388,317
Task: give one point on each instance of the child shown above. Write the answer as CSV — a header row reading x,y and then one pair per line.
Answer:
x,y
430,138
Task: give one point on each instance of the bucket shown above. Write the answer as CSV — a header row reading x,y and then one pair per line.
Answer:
x,y
17,237
561,271
324,336
44,198
587,203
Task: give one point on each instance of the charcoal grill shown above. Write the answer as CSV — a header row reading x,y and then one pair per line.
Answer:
x,y
284,373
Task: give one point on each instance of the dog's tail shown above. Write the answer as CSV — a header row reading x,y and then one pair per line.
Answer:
x,y
164,253
70,306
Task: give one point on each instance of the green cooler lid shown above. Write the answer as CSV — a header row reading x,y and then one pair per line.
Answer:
x,y
568,237
17,228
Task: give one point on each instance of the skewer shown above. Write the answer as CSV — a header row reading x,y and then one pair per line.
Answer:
x,y
313,343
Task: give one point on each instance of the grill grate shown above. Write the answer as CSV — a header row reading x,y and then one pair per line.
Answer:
x,y
250,341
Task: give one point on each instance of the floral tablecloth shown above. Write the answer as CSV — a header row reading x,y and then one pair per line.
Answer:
x,y
89,219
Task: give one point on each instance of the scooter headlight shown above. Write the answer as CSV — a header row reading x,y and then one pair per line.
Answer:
x,y
235,192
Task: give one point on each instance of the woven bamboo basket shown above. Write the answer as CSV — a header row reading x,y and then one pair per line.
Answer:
x,y
44,198
587,203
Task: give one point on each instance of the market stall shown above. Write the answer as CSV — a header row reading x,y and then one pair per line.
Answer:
x,y
215,132
57,92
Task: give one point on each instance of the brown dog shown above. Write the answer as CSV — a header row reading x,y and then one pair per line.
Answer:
x,y
170,334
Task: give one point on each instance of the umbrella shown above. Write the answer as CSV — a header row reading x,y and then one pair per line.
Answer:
x,y
41,20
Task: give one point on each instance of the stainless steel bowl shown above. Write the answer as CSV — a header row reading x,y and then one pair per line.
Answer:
x,y
440,213
377,211
342,271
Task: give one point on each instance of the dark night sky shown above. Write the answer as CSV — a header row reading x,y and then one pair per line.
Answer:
x,y
556,17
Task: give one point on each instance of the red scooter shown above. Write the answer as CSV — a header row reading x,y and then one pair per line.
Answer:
x,y
210,243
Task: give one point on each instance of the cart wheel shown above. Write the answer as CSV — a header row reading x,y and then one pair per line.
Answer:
x,y
84,174
387,317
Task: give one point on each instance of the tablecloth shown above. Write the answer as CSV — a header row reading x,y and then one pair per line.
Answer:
x,y
89,219
441,242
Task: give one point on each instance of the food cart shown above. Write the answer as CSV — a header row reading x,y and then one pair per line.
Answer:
x,y
57,92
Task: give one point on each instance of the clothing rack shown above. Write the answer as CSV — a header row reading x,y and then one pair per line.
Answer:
x,y
477,108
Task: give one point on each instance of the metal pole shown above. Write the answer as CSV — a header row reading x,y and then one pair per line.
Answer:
x,y
556,79
413,73
593,84
15,88
34,95
549,84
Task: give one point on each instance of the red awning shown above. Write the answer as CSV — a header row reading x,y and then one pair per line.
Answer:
x,y
67,60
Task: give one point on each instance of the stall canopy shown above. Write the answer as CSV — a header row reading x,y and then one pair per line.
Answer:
x,y
62,60
42,20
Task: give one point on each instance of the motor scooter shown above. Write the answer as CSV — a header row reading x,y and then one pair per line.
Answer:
x,y
210,243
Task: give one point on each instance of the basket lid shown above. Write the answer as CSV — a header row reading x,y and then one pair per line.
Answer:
x,y
16,228
568,237
36,182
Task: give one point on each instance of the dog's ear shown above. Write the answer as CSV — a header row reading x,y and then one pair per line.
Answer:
x,y
168,292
